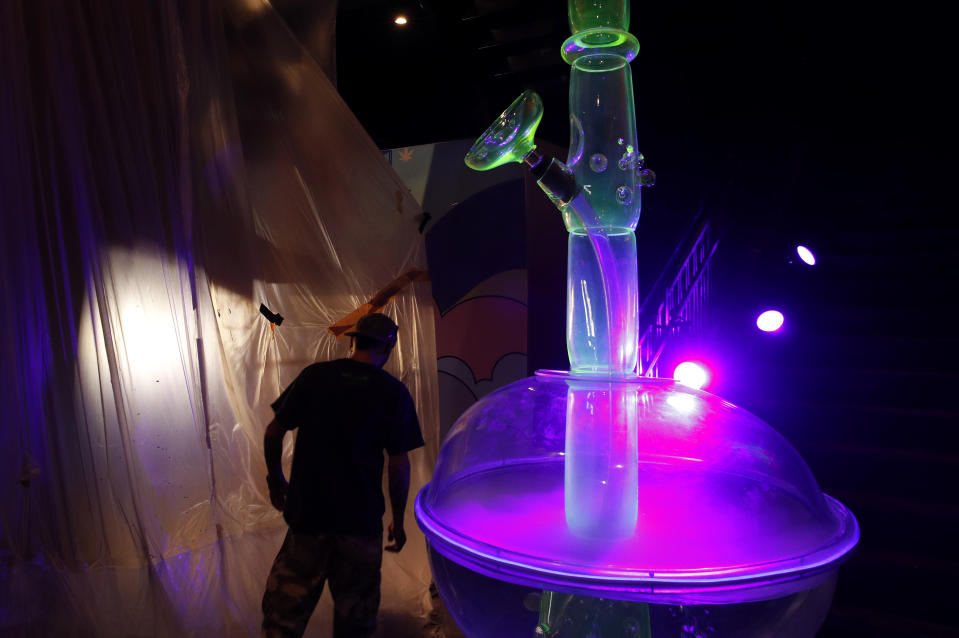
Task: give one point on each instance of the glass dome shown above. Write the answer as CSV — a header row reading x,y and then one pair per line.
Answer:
x,y
634,490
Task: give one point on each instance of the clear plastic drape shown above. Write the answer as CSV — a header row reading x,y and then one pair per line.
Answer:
x,y
166,168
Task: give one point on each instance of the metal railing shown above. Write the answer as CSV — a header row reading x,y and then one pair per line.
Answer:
x,y
683,301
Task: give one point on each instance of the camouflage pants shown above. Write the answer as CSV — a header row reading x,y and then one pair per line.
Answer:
x,y
302,567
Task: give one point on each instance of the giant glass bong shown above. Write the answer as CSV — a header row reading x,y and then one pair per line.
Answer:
x,y
596,502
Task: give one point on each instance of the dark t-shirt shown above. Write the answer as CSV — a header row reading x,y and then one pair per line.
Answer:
x,y
347,413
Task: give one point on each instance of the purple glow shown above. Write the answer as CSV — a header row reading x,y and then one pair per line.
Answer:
x,y
691,498
806,255
691,374
770,321
686,541
601,460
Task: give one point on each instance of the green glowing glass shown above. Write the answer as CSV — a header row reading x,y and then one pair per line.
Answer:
x,y
510,137
599,27
598,14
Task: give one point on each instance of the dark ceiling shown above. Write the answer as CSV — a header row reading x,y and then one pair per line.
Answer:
x,y
809,97
718,70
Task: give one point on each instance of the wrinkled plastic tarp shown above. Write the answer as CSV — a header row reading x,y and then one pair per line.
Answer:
x,y
166,168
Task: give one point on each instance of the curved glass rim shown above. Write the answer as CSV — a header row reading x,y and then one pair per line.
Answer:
x,y
622,43
519,143
755,582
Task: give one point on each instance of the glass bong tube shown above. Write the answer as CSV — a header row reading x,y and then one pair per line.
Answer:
x,y
597,192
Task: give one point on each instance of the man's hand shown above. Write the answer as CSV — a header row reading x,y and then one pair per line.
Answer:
x,y
399,476
273,450
278,488
398,535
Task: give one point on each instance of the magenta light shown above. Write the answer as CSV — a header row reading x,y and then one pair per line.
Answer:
x,y
806,255
653,500
770,321
691,374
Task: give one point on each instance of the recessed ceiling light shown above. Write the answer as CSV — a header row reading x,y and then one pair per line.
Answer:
x,y
400,20
770,321
806,255
691,374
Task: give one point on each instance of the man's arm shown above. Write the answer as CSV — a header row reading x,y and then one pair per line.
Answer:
x,y
399,476
273,451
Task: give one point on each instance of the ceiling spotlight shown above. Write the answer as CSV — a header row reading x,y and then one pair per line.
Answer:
x,y
401,19
770,321
691,374
806,255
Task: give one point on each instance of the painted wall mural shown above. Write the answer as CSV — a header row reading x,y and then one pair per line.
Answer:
x,y
475,242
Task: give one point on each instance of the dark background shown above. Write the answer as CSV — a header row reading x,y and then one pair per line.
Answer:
x,y
824,124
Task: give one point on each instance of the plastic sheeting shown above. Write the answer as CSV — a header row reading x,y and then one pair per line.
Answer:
x,y
166,168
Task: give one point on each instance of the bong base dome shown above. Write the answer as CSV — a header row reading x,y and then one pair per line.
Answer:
x,y
630,489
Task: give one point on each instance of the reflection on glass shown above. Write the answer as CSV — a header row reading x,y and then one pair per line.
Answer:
x,y
682,403
600,473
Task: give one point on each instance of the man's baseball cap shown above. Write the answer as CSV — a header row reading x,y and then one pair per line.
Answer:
x,y
376,326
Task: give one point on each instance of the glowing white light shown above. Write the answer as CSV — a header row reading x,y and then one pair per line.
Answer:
x,y
770,321
400,20
691,374
806,255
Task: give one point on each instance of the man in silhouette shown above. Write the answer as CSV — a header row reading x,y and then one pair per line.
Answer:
x,y
348,411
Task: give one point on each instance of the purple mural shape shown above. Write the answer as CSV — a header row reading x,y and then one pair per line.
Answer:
x,y
478,238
